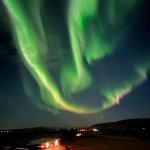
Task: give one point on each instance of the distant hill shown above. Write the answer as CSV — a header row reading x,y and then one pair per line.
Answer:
x,y
130,127
128,123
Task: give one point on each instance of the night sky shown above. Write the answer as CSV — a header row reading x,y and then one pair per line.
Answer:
x,y
71,63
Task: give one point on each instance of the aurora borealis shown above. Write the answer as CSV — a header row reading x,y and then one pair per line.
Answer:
x,y
77,57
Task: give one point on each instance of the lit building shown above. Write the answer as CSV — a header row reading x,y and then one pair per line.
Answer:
x,y
45,144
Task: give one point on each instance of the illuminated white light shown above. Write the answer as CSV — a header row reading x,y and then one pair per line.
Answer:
x,y
79,134
40,146
56,142
47,145
95,130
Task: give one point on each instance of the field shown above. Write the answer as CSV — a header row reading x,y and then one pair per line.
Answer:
x,y
106,143
68,140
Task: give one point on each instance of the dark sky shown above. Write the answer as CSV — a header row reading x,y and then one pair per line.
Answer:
x,y
120,87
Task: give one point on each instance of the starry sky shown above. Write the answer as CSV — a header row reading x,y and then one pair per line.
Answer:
x,y
71,63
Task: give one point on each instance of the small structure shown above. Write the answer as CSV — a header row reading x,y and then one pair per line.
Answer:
x,y
45,144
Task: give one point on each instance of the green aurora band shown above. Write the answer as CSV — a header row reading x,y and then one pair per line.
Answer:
x,y
31,52
89,42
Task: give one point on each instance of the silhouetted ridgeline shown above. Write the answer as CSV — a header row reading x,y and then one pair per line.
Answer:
x,y
129,127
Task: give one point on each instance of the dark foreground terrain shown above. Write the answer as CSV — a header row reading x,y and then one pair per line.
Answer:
x,y
133,134
106,143
91,143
